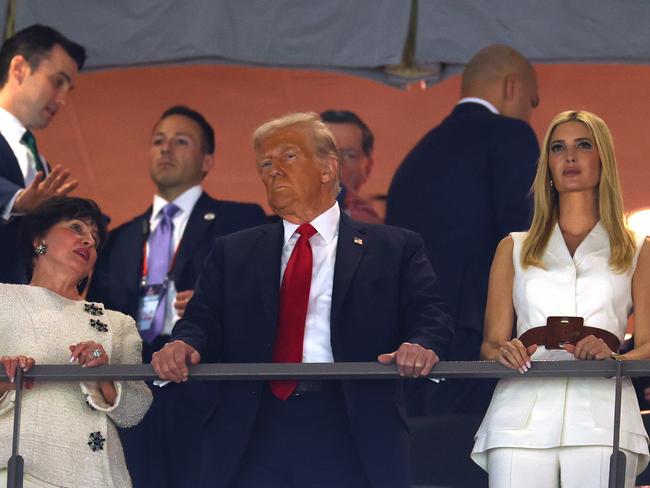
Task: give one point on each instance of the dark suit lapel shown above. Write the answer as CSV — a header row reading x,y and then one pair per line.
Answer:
x,y
268,252
350,249
11,167
197,226
137,240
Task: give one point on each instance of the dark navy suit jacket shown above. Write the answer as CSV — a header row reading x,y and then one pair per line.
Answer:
x,y
383,294
159,451
464,187
116,281
12,269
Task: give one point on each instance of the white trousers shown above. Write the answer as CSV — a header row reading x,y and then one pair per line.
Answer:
x,y
566,467
28,481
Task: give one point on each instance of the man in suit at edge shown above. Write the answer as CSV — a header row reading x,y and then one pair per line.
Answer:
x,y
463,187
38,66
368,294
182,153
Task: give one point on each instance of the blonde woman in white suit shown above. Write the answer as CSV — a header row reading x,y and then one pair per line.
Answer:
x,y
577,260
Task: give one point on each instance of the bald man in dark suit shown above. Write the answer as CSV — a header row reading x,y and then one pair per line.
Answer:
x,y
463,187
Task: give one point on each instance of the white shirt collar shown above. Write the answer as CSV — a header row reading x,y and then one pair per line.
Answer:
x,y
10,127
480,101
185,201
326,224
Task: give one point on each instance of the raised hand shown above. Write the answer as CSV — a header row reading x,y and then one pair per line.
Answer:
x,y
44,187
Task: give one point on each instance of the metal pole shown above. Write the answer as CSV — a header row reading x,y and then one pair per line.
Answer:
x,y
617,459
16,464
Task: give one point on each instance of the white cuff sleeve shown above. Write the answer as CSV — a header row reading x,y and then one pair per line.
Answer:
x,y
9,206
95,398
7,401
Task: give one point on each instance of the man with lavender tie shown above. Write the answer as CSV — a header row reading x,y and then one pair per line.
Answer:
x,y
148,270
153,302
314,287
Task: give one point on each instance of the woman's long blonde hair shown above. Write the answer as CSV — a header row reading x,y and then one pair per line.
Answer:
x,y
610,203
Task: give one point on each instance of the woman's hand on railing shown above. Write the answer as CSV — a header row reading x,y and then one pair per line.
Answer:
x,y
514,355
590,347
91,354
11,364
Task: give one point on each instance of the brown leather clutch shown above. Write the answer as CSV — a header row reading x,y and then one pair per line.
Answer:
x,y
566,330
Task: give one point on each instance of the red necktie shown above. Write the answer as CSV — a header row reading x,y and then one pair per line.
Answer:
x,y
294,297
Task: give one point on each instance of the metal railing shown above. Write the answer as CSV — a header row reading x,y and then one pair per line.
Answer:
x,y
336,371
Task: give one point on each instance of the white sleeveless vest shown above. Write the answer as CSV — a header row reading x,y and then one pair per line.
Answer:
x,y
553,412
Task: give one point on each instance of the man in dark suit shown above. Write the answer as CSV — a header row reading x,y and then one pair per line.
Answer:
x,y
38,66
182,154
350,292
463,187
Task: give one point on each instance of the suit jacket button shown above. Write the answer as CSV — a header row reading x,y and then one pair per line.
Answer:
x,y
93,309
98,325
96,441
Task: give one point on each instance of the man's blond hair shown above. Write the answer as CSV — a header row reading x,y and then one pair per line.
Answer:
x,y
322,139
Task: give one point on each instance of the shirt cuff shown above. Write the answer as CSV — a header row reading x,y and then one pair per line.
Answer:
x,y
94,396
7,401
9,206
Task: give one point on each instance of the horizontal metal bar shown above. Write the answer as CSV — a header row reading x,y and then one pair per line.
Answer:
x,y
336,371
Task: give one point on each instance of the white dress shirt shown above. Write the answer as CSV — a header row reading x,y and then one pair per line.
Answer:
x,y
13,130
480,101
316,346
185,202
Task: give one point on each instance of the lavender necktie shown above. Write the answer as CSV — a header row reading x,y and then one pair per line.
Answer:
x,y
158,264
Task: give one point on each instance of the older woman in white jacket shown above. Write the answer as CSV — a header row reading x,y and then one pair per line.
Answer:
x,y
68,430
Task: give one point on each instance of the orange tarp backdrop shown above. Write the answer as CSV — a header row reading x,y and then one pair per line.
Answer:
x,y
103,133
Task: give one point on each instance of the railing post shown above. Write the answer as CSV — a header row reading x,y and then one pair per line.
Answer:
x,y
617,459
16,463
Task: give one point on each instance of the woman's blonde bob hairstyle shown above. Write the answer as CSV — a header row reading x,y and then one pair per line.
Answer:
x,y
610,203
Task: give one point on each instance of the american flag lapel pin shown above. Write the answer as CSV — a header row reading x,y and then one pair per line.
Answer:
x,y
358,240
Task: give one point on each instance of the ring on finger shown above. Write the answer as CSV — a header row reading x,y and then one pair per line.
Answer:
x,y
97,353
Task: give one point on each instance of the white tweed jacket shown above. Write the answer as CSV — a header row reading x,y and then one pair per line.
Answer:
x,y
68,435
